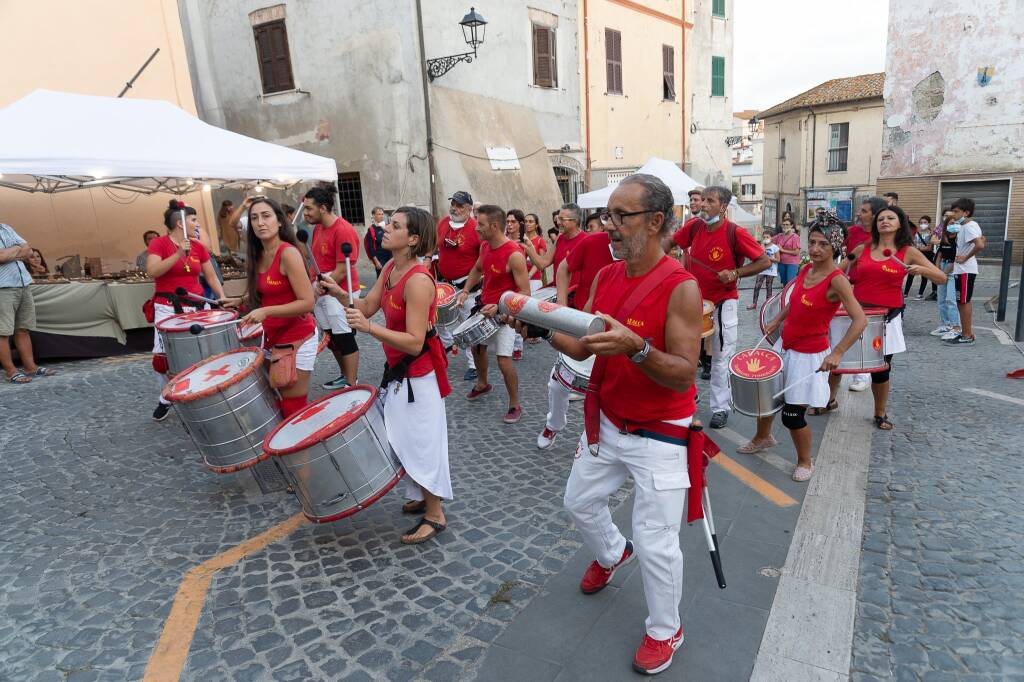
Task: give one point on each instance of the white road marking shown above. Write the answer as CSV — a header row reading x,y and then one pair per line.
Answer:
x,y
997,396
767,456
1003,337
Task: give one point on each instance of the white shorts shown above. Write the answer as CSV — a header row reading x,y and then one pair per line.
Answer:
x,y
330,314
305,357
160,313
796,365
502,341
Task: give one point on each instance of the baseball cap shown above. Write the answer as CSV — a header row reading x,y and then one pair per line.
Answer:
x,y
461,197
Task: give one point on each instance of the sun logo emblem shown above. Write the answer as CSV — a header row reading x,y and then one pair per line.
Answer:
x,y
716,254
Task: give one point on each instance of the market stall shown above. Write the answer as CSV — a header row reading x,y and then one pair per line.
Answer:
x,y
55,142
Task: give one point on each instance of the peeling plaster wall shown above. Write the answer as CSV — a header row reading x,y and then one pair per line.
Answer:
x,y
708,157
938,118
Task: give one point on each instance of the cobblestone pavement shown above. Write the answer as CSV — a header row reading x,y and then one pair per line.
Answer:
x,y
942,567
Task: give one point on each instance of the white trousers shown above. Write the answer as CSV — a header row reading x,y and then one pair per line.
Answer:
x,y
659,471
445,334
558,403
723,347
160,313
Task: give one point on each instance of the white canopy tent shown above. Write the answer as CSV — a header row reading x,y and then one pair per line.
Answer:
x,y
679,182
58,142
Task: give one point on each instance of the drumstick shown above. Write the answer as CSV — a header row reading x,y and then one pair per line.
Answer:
x,y
303,237
889,254
703,265
182,292
346,249
797,383
197,329
760,342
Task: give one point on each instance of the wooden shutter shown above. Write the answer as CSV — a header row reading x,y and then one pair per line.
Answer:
x,y
613,60
718,76
668,73
273,56
718,8
544,65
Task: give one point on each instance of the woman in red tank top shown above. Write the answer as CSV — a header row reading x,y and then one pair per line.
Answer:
x,y
531,224
280,296
415,381
818,291
877,270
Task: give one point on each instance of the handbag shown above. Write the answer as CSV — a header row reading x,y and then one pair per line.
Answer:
x,y
283,372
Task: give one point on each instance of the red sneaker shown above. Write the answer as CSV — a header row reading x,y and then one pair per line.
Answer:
x,y
597,576
477,392
655,655
517,355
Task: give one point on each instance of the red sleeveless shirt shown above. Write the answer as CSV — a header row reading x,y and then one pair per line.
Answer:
x,y
626,393
497,279
879,282
393,305
275,289
810,312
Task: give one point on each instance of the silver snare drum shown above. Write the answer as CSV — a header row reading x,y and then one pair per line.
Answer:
x,y
474,331
771,308
573,374
227,407
336,453
549,294
755,376
867,354
449,312
185,349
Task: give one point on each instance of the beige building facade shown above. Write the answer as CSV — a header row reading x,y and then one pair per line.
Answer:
x,y
94,48
822,149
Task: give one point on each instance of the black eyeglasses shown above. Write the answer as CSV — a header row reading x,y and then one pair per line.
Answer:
x,y
615,218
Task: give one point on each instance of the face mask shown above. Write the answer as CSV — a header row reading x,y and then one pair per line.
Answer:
x,y
960,221
712,220
953,228
924,226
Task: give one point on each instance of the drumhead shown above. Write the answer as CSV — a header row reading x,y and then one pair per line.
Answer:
x,y
248,332
581,367
320,419
445,292
756,364
181,323
472,321
545,293
213,374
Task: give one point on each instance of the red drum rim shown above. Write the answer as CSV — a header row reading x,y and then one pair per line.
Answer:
x,y
860,371
445,292
332,428
250,332
181,323
360,506
169,390
868,310
767,354
325,338
236,467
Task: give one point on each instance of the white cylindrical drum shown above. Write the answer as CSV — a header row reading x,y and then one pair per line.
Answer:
x,y
867,354
185,349
227,407
549,294
549,315
755,376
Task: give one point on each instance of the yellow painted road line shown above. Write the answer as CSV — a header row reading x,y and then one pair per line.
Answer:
x,y
168,658
752,480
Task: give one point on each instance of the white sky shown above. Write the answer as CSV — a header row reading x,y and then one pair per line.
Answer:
x,y
784,47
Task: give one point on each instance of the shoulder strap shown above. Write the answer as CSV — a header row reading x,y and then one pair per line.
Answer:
x,y
657,276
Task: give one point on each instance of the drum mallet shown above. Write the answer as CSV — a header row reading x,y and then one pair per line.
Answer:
x,y
182,292
346,250
303,237
197,329
797,383
891,256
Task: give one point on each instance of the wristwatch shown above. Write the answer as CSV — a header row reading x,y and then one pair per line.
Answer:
x,y
641,355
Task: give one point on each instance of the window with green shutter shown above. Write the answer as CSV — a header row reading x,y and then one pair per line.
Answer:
x,y
718,76
718,8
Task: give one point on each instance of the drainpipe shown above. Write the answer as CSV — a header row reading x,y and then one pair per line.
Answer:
x,y
426,112
814,153
586,89
682,84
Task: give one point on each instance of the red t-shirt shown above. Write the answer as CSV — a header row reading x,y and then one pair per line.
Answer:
x,y
626,392
275,289
497,275
585,261
712,248
810,313
457,249
185,271
326,249
855,236
879,282
541,246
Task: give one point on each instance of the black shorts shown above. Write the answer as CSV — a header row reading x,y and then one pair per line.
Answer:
x,y
964,286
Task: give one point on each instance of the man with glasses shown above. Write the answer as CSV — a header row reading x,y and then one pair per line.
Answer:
x,y
717,248
458,248
569,220
638,414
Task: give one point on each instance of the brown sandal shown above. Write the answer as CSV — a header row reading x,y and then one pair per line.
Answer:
x,y
832,406
436,530
414,507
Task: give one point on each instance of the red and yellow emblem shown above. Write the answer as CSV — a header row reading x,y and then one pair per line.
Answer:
x,y
515,303
445,292
547,306
760,363
876,343
716,253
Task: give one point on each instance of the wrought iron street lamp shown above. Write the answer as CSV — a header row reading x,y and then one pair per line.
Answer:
x,y
754,124
473,28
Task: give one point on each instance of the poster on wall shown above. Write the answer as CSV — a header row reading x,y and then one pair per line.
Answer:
x,y
838,201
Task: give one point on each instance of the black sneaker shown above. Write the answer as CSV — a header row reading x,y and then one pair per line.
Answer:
x,y
960,340
705,372
719,420
161,412
336,384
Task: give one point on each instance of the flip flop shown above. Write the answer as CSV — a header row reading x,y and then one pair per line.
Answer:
x,y
883,423
752,447
802,474
414,507
832,406
20,378
42,372
437,528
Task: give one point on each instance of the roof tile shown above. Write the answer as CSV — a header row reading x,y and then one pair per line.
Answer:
x,y
834,91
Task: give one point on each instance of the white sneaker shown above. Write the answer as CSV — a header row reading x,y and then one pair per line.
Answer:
x,y
940,330
858,386
951,334
546,438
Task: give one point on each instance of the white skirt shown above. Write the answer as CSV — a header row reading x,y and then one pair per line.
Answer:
x,y
813,392
894,341
418,432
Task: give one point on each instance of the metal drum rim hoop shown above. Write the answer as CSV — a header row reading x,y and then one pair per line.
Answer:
x,y
168,392
360,506
332,428
870,311
199,314
782,298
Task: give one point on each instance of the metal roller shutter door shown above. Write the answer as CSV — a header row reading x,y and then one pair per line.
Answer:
x,y
991,199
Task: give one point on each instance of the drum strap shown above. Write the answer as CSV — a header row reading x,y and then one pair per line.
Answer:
x,y
894,313
174,299
401,368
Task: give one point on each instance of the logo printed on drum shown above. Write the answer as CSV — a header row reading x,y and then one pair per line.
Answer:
x,y
716,253
181,386
876,343
756,364
547,306
310,413
515,303
219,372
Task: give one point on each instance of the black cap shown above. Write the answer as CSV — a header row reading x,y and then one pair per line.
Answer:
x,y
461,197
